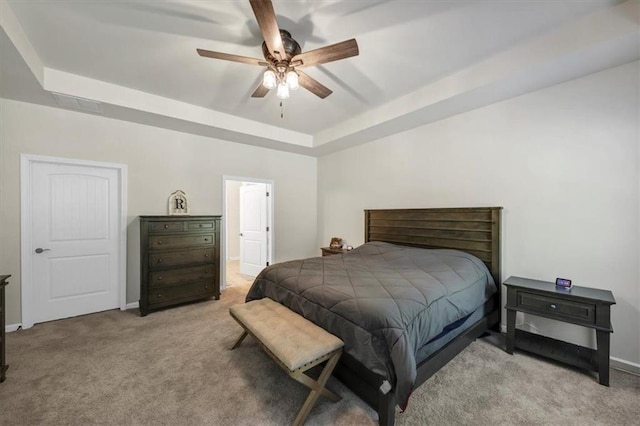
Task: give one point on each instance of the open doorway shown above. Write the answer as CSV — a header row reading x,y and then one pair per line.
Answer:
x,y
248,229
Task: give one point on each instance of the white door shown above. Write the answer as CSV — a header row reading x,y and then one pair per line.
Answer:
x,y
75,233
253,228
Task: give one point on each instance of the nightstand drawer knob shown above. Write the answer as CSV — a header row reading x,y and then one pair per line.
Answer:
x,y
553,306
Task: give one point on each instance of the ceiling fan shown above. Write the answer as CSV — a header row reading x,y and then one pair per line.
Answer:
x,y
284,58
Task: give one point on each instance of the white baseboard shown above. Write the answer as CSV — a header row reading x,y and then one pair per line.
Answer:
x,y
626,366
12,327
134,305
233,258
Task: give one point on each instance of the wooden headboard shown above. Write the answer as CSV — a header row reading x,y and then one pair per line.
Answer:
x,y
475,230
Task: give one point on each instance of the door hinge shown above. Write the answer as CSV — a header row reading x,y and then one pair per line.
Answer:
x,y
267,229
267,263
267,194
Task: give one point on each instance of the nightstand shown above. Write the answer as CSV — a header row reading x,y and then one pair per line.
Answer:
x,y
588,307
328,251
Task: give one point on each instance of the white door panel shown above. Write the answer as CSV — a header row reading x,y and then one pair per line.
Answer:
x,y
253,229
75,221
78,276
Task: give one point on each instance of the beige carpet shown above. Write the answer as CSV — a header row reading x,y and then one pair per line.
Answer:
x,y
234,277
174,367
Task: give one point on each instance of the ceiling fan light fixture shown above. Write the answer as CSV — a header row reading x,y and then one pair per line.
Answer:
x,y
283,55
269,80
283,91
292,80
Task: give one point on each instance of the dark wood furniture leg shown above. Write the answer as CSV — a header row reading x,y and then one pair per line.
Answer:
x,y
603,340
387,409
511,330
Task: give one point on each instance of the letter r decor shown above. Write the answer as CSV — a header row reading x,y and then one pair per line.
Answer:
x,y
178,203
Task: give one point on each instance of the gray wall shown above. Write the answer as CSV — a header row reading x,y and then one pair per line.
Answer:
x,y
159,162
563,162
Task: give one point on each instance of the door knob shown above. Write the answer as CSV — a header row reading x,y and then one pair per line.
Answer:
x,y
41,250
241,234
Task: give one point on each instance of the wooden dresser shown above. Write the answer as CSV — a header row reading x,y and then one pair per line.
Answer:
x,y
3,359
179,260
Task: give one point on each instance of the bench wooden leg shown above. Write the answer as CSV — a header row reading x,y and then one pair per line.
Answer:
x,y
317,388
240,339
312,384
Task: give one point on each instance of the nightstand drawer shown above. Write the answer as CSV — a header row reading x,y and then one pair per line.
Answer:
x,y
552,307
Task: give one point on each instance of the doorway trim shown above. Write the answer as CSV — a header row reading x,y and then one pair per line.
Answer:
x,y
26,163
270,221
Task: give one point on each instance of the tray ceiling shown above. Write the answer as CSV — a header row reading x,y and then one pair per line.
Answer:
x,y
419,61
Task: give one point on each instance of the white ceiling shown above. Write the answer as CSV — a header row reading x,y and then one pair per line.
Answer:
x,y
419,61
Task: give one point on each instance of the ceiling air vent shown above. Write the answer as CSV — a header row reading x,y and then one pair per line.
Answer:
x,y
74,102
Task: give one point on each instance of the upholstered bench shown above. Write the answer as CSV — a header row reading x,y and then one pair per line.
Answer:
x,y
295,343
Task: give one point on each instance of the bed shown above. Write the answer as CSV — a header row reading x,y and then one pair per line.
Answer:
x,y
402,311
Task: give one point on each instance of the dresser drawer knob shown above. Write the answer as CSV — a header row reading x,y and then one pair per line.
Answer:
x,y
206,287
159,295
206,239
159,260
553,306
160,278
206,255
166,226
200,226
160,242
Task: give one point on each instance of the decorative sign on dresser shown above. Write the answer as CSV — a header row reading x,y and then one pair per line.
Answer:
x,y
179,260
3,359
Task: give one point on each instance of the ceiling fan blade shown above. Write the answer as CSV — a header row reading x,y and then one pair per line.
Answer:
x,y
313,85
230,57
266,17
260,92
334,52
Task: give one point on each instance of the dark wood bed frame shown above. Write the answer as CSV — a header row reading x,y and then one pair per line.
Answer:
x,y
475,230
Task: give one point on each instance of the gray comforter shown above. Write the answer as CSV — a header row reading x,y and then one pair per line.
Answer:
x,y
384,301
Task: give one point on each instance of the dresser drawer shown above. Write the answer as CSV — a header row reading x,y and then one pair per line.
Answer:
x,y
179,241
169,277
165,227
176,258
552,307
171,295
205,225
